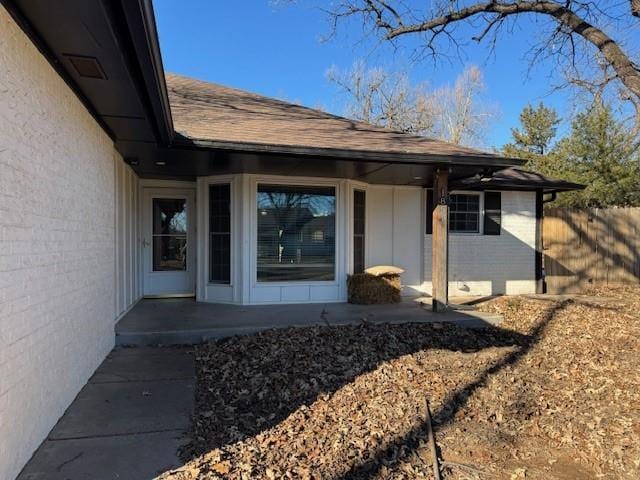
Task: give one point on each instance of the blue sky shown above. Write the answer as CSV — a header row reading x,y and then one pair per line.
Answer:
x,y
278,50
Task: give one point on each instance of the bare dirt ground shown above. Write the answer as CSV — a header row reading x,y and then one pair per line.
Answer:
x,y
554,393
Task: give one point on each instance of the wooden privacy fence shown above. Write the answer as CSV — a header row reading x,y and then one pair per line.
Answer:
x,y
590,247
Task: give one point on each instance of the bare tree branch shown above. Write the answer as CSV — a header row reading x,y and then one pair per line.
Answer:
x,y
574,18
452,112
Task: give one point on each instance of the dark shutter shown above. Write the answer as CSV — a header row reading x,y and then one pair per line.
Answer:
x,y
359,205
429,213
492,213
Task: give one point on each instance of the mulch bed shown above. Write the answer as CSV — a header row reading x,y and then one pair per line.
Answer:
x,y
553,393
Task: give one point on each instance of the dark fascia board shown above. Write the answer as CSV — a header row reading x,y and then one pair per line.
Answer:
x,y
351,155
25,25
134,29
140,19
547,187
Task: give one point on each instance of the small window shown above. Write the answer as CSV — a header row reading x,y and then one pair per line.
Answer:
x,y
429,213
359,200
220,233
464,213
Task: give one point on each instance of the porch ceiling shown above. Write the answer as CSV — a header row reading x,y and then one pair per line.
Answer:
x,y
188,163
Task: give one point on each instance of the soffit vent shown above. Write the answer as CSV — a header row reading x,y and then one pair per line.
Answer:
x,y
87,67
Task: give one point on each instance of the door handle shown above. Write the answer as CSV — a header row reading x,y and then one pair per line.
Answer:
x,y
145,243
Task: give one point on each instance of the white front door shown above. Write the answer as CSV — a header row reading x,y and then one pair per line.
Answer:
x,y
168,242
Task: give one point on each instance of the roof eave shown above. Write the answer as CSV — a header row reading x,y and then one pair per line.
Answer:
x,y
34,36
139,13
565,188
363,155
546,187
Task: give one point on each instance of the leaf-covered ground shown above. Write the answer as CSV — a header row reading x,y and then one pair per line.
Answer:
x,y
553,393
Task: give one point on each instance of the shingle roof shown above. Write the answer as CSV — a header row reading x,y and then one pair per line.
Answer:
x,y
223,116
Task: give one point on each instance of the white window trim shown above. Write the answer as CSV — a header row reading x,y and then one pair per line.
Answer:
x,y
256,180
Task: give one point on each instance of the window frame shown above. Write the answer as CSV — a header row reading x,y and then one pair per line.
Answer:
x,y
481,213
258,181
480,196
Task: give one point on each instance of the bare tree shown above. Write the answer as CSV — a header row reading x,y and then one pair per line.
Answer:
x,y
461,117
574,28
452,112
385,98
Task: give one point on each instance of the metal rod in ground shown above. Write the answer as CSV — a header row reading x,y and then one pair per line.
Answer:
x,y
432,443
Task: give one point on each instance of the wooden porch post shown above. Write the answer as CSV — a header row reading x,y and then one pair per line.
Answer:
x,y
440,242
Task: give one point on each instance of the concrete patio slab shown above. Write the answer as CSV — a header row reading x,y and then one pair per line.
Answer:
x,y
185,321
127,423
144,364
127,407
128,457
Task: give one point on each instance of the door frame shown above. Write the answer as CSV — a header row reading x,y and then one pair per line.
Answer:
x,y
168,189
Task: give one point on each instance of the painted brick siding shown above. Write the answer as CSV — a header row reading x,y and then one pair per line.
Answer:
x,y
57,265
488,264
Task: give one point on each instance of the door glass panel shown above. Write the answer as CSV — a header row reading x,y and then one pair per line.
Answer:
x,y
169,234
169,216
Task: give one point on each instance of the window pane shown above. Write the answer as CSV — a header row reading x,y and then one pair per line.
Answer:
x,y
169,253
464,213
169,216
296,233
358,253
358,212
169,234
358,230
220,233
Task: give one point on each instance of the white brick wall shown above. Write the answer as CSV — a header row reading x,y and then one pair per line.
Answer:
x,y
488,264
57,247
